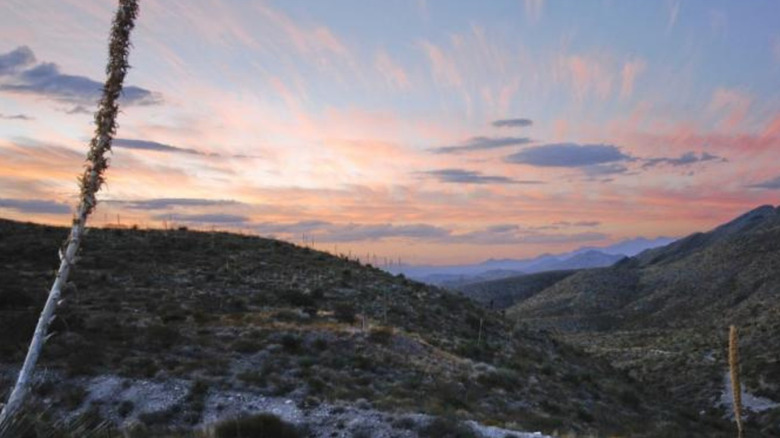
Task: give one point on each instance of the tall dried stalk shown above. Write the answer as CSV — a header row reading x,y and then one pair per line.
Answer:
x,y
736,388
90,182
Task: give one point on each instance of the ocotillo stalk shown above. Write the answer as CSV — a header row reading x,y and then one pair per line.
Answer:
x,y
479,337
90,182
736,388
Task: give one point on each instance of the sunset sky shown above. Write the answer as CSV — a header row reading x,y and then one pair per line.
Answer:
x,y
437,131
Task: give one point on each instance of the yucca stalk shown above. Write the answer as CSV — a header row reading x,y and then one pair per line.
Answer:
x,y
736,388
90,182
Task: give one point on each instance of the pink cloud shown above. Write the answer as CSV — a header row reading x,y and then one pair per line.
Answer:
x,y
587,75
393,73
734,103
443,68
631,69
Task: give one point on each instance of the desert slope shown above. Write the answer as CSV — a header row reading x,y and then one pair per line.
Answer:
x,y
226,318
663,315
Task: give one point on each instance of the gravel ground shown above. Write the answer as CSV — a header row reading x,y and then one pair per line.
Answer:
x,y
750,402
338,420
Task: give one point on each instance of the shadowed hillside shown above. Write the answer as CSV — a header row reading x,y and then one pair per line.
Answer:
x,y
172,330
663,315
503,293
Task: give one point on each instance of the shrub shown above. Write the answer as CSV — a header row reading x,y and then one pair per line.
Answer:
x,y
163,336
381,335
345,313
247,346
447,428
300,299
14,298
256,426
125,408
291,343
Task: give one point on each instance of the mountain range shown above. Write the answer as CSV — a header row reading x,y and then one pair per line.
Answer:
x,y
587,257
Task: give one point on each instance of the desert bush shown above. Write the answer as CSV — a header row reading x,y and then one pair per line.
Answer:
x,y
291,343
345,312
300,299
381,335
500,378
256,426
407,423
14,298
125,408
247,346
162,335
447,428
253,377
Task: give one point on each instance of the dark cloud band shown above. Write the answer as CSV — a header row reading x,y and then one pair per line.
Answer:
x,y
19,74
36,206
482,143
462,176
512,123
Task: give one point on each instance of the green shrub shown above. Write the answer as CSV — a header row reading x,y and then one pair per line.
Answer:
x,y
256,426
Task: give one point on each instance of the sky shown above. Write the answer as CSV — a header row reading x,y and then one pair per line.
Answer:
x,y
435,131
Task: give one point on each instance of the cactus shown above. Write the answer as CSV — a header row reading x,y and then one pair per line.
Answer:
x,y
90,182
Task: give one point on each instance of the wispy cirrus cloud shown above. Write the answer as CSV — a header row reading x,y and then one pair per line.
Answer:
x,y
463,176
19,73
393,73
732,104
587,75
533,10
482,143
631,70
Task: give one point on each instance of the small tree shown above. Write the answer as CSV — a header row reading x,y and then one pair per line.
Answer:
x,y
90,182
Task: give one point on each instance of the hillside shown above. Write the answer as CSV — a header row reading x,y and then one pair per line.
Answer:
x,y
663,315
165,331
503,293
